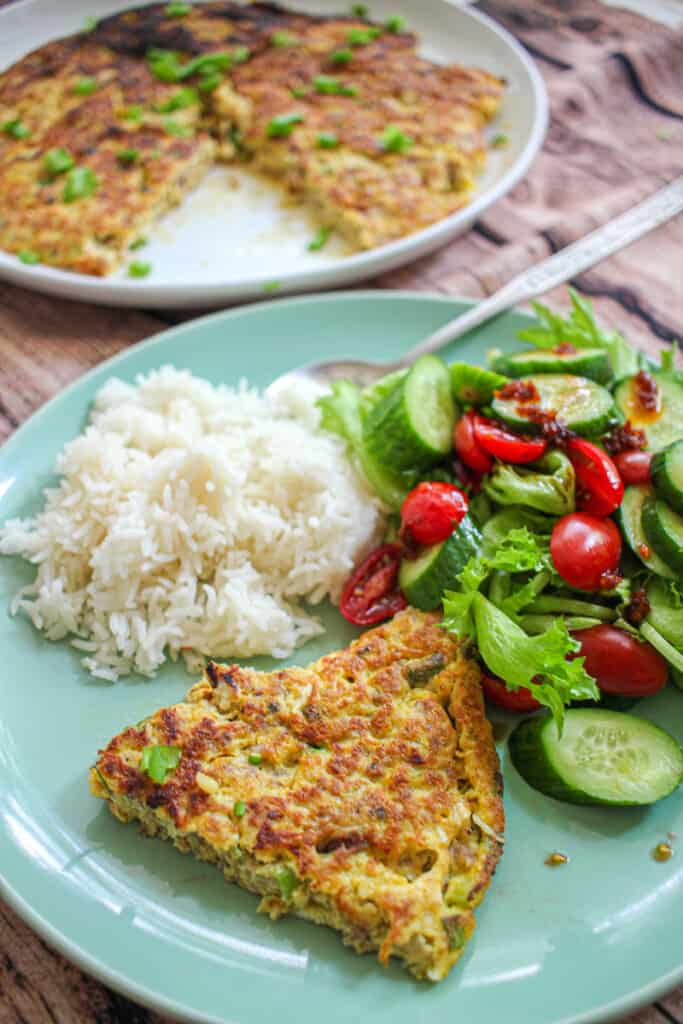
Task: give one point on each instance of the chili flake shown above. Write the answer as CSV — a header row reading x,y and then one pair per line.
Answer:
x,y
625,439
609,580
565,348
638,608
521,390
646,392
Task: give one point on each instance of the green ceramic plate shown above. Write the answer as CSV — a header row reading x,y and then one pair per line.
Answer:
x,y
583,942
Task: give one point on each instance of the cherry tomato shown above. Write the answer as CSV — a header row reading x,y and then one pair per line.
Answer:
x,y
634,467
600,487
432,511
497,693
504,444
620,664
467,446
583,548
371,594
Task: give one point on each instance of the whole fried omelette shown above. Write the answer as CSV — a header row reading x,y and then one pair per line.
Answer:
x,y
342,113
362,792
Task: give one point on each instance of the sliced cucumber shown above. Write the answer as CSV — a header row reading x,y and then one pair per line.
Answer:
x,y
662,427
583,405
374,393
665,614
666,471
473,386
664,531
603,757
411,427
424,579
630,518
585,362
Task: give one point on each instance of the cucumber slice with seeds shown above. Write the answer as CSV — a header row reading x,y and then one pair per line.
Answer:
x,y
424,579
666,472
603,757
629,515
411,427
583,405
662,427
473,386
664,530
585,362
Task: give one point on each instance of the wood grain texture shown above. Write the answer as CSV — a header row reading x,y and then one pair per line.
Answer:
x,y
615,81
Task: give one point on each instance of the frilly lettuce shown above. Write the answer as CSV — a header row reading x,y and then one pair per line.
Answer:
x,y
548,485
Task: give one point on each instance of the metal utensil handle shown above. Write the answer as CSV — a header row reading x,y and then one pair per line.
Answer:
x,y
562,266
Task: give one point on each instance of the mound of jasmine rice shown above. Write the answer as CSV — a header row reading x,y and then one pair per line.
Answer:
x,y
194,519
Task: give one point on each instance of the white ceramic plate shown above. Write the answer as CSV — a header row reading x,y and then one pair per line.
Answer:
x,y
231,239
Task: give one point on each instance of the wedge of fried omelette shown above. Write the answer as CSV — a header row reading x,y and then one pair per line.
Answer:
x,y
342,113
362,792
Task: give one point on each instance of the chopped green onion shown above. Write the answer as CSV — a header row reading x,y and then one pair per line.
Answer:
x,y
272,286
177,10
395,141
185,97
499,140
57,161
359,10
327,140
254,758
341,56
80,183
298,91
395,23
84,86
319,239
137,244
139,269
16,129
207,83
164,64
28,256
241,54
90,24
286,880
172,127
282,126
239,808
158,760
330,86
283,39
362,36
126,157
133,112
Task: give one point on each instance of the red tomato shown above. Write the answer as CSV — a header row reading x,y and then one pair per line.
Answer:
x,y
583,548
432,511
634,467
467,446
497,693
597,477
371,593
620,664
504,444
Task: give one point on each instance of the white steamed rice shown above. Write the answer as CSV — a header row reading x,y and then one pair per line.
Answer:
x,y
192,519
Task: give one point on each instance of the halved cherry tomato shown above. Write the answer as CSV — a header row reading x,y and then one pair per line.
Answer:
x,y
504,444
432,511
497,693
467,446
600,487
634,467
584,548
620,664
371,593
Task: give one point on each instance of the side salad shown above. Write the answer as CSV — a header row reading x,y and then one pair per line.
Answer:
x,y
539,504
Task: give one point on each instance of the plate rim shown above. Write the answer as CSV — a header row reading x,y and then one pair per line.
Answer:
x,y
75,952
355,267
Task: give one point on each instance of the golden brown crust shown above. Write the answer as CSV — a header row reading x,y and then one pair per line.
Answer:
x,y
368,194
371,763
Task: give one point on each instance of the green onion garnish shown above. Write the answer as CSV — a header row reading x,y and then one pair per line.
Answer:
x,y
241,54
330,86
286,880
319,239
283,39
185,97
207,83
298,91
84,86
126,157
158,760
172,127
90,24
395,141
362,36
283,125
57,161
164,64
341,56
140,269
327,140
28,256
359,10
272,286
16,129
239,808
133,112
395,23
80,183
137,244
499,140
254,758
177,10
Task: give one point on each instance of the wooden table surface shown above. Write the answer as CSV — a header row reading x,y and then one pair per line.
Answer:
x,y
616,85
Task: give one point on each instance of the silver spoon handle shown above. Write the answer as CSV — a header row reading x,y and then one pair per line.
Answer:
x,y
561,267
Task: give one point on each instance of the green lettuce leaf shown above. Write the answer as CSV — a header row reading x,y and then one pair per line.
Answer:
x,y
548,485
